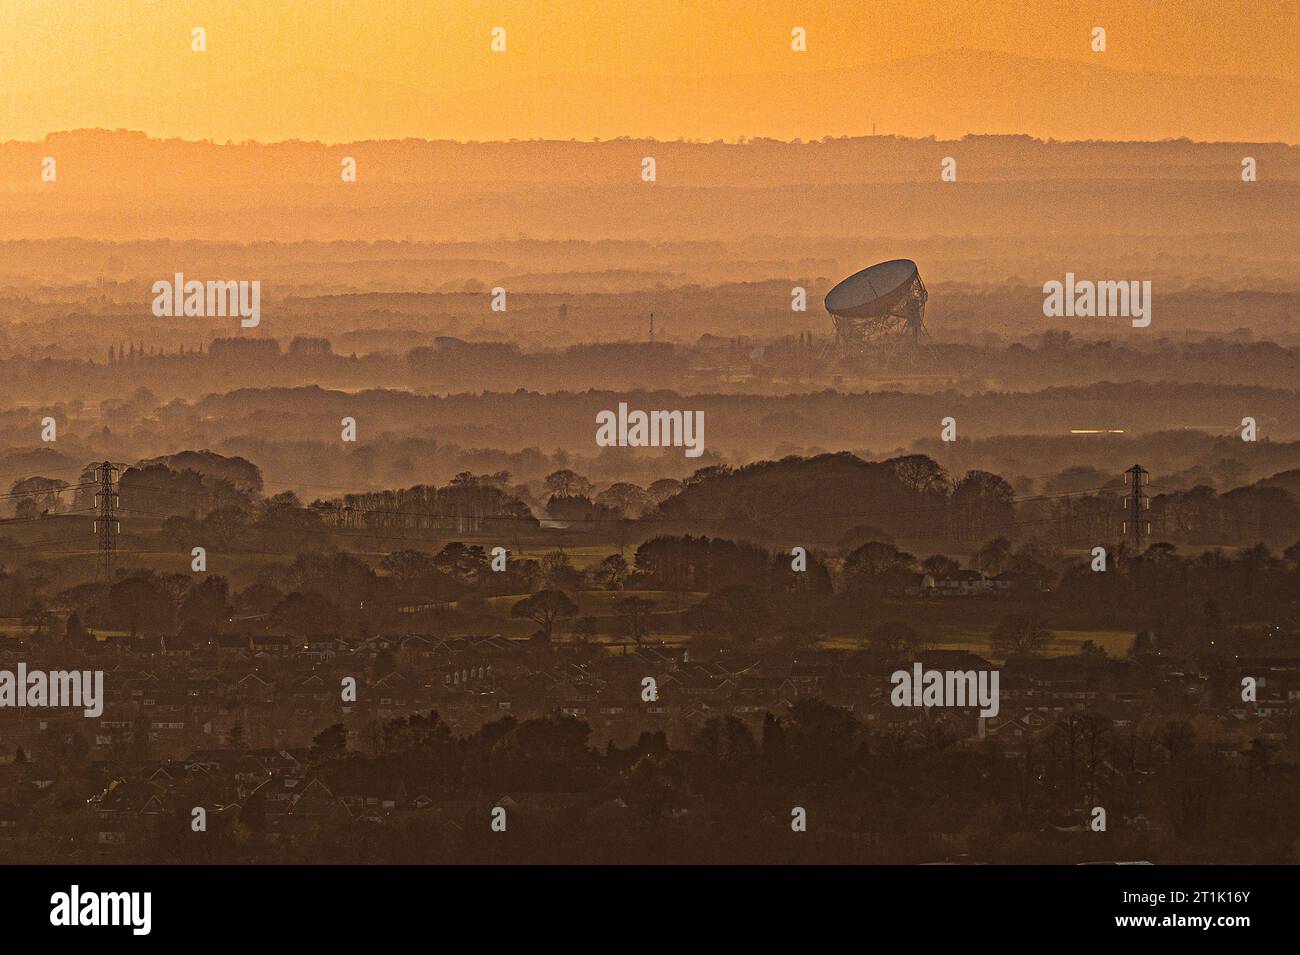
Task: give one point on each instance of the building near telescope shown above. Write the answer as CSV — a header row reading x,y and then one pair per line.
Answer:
x,y
878,306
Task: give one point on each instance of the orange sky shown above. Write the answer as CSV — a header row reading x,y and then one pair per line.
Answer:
x,y
334,70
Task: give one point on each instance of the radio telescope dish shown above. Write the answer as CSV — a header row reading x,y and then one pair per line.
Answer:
x,y
877,305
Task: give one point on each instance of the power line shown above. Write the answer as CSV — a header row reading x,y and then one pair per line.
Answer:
x,y
47,490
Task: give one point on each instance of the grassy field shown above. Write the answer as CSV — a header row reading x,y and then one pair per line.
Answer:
x,y
600,605
14,627
583,557
1064,642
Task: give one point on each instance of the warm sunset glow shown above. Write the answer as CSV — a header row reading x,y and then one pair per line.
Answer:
x,y
335,71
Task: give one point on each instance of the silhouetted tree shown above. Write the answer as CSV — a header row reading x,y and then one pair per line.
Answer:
x,y
612,572
545,608
635,614
330,742
1019,635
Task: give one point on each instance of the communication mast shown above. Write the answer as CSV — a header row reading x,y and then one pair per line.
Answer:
x,y
106,526
1136,523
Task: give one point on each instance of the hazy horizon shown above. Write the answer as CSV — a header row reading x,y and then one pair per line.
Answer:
x,y
597,140
587,69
